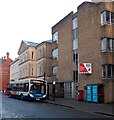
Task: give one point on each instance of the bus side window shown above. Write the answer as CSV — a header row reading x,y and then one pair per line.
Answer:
x,y
21,87
9,87
26,87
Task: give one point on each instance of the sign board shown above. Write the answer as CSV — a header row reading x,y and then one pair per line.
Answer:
x,y
85,68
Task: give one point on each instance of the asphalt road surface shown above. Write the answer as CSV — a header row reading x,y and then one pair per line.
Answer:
x,y
14,108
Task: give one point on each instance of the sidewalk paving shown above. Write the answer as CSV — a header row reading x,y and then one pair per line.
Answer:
x,y
106,109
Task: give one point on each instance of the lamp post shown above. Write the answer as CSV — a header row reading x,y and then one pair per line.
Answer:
x,y
54,90
45,76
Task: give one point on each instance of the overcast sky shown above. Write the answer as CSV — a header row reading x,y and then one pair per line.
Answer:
x,y
30,20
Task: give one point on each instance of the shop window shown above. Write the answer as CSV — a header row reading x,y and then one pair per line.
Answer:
x,y
61,85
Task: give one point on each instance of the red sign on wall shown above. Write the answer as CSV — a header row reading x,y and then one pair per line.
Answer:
x,y
85,68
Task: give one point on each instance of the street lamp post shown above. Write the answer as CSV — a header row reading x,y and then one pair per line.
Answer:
x,y
53,90
45,76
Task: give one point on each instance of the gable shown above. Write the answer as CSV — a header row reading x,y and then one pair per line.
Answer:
x,y
22,48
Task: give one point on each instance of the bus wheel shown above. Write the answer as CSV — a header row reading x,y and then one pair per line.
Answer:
x,y
21,97
9,95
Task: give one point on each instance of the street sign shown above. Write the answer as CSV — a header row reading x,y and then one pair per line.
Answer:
x,y
85,68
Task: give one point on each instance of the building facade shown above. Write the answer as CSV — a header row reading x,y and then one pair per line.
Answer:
x,y
35,60
85,38
14,70
43,60
27,60
62,53
4,72
79,61
96,46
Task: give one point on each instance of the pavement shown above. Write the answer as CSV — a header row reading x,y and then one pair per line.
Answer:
x,y
98,108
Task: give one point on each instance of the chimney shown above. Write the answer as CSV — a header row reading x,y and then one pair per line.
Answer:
x,y
7,55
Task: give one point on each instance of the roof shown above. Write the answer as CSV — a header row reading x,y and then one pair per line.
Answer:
x,y
48,41
2,61
28,43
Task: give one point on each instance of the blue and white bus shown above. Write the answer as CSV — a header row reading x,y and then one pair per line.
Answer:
x,y
28,89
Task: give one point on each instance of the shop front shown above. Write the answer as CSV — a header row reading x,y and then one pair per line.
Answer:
x,y
95,93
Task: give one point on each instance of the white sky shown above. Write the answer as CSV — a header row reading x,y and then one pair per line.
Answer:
x,y
30,20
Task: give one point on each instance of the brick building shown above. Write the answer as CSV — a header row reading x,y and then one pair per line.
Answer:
x,y
62,53
4,72
86,36
96,46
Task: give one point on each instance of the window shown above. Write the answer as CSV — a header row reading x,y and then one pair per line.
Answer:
x,y
26,55
75,59
23,58
75,44
75,34
75,75
55,53
75,55
32,71
40,69
107,44
55,70
107,17
108,71
40,52
75,23
55,37
32,55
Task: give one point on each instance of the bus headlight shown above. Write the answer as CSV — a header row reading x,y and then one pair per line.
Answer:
x,y
44,95
31,95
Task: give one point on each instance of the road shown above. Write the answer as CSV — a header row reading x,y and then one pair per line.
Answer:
x,y
14,108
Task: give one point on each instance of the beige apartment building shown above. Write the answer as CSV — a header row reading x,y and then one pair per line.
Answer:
x,y
35,60
27,60
14,70
43,60
85,38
